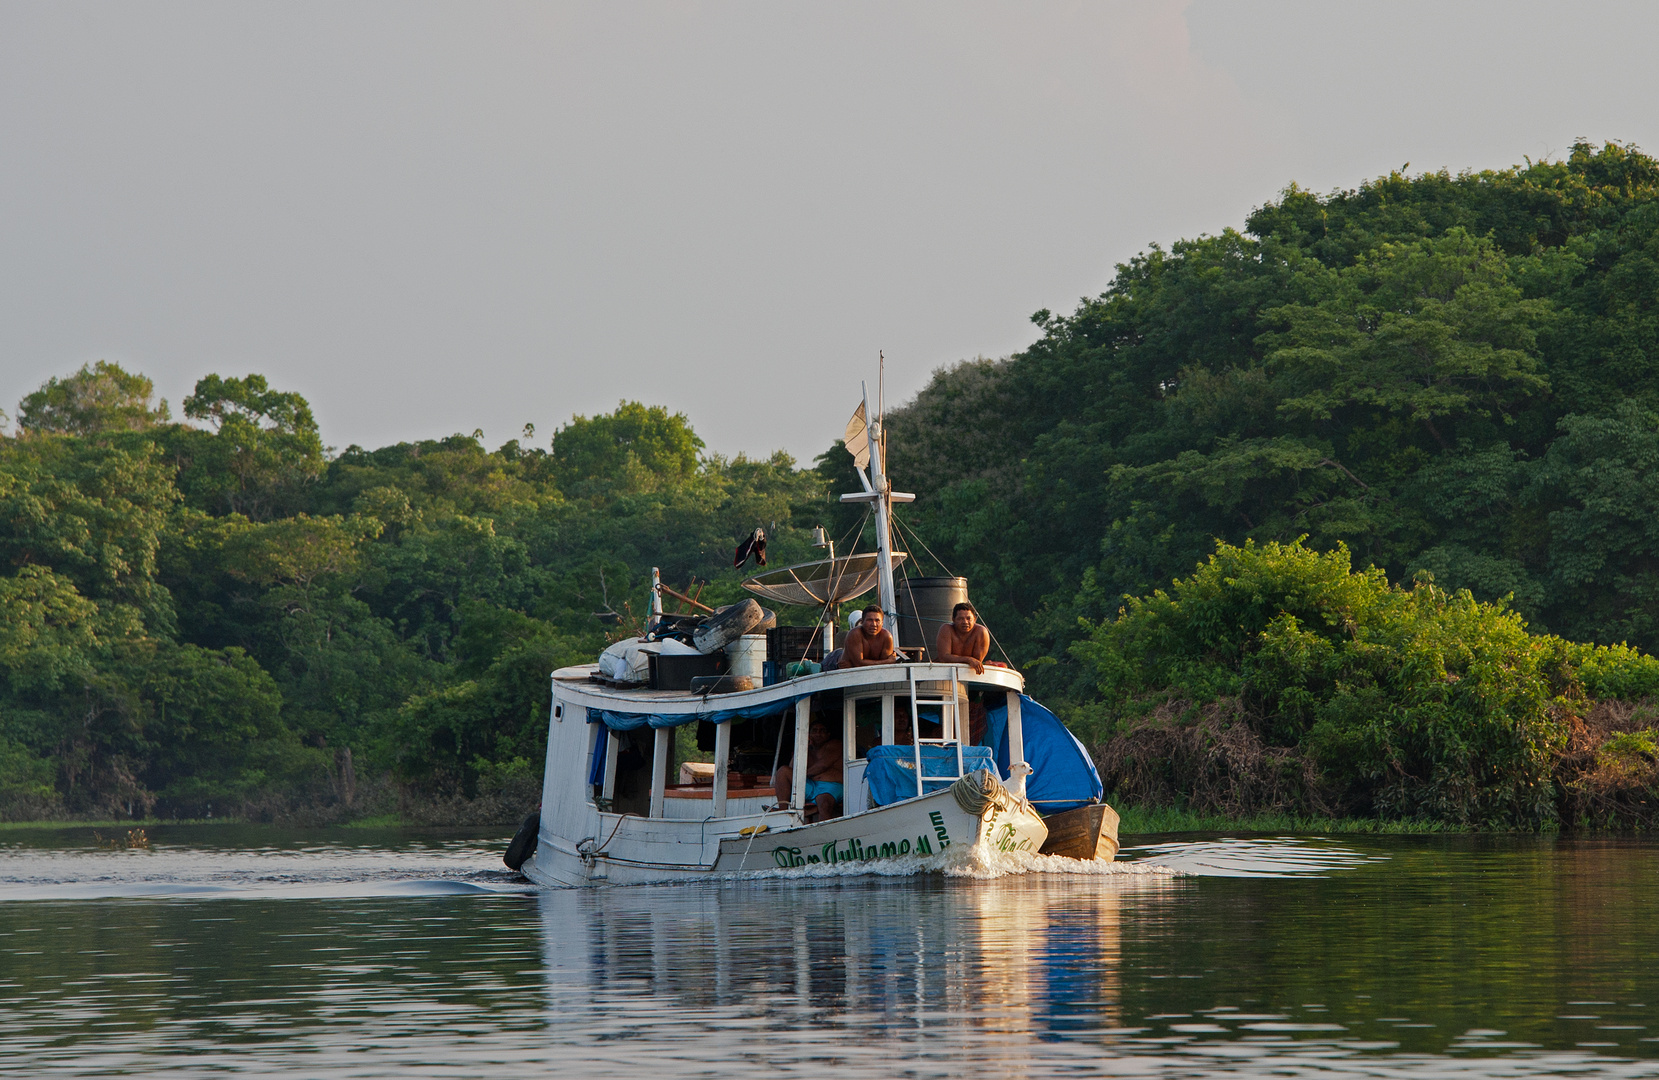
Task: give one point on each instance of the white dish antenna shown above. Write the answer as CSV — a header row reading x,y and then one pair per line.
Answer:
x,y
821,583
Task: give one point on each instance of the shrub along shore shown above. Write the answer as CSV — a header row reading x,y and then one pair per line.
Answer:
x,y
1276,680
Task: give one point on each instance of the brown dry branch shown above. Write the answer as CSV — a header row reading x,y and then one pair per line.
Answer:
x,y
1609,775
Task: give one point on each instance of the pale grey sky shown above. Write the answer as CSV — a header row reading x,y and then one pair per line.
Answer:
x,y
435,217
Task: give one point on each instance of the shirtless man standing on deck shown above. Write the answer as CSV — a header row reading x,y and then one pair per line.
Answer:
x,y
962,640
868,643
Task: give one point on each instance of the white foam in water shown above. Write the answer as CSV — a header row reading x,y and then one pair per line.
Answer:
x,y
1264,857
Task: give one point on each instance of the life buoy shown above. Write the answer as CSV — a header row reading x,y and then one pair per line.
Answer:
x,y
524,842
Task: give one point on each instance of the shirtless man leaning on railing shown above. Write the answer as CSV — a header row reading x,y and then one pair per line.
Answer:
x,y
867,643
962,641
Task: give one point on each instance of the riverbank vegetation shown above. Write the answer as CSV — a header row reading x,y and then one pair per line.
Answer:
x,y
1406,433
1277,680
217,617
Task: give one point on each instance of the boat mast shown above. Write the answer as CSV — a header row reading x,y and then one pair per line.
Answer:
x,y
884,541
865,436
832,609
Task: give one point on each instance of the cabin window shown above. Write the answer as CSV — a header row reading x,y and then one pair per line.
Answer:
x,y
885,720
863,726
626,786
739,753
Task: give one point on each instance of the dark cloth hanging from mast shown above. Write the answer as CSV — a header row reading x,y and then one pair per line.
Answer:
x,y
754,545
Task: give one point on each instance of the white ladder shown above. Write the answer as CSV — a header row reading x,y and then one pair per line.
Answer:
x,y
949,731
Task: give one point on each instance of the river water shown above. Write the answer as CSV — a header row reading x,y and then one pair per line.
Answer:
x,y
353,953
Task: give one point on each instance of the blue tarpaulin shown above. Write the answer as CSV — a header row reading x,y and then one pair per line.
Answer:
x,y
1063,776
632,721
891,771
596,766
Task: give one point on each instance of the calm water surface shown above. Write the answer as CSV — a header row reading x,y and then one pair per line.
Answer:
x,y
231,951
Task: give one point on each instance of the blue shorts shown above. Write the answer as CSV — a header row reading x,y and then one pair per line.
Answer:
x,y
815,788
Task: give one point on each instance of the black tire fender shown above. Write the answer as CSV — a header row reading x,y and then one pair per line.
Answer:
x,y
523,844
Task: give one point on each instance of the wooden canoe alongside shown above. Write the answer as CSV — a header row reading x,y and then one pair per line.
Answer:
x,y
1089,832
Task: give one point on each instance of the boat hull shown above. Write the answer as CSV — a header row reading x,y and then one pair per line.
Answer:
x,y
915,827
976,812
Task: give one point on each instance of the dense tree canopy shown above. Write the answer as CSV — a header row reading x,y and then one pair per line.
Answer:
x,y
97,399
1279,677
1452,380
1453,373
223,615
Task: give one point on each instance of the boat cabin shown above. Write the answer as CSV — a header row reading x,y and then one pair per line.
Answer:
x,y
905,730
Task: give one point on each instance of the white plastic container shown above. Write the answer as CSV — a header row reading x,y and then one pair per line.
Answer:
x,y
746,656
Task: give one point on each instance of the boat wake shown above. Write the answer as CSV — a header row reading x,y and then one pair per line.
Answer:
x,y
311,890
460,868
1264,856
192,871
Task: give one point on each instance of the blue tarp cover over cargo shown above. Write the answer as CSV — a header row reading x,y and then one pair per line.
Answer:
x,y
1063,776
892,769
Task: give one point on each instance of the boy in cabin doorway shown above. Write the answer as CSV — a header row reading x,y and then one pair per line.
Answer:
x,y
824,791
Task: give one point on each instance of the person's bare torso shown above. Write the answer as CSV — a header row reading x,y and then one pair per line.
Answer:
x,y
866,647
824,762
975,643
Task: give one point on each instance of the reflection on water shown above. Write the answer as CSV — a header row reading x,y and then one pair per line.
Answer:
x,y
1374,957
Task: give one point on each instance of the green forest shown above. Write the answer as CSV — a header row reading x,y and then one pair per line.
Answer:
x,y
1351,511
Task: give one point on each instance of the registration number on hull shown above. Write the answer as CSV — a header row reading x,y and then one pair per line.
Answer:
x,y
858,850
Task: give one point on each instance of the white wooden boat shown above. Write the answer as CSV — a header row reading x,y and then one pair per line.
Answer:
x,y
609,813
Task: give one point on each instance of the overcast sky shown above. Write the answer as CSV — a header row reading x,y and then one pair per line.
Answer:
x,y
429,218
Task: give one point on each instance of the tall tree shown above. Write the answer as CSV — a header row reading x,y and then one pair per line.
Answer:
x,y
264,449
98,398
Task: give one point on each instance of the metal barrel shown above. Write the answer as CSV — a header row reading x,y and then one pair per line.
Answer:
x,y
925,605
747,656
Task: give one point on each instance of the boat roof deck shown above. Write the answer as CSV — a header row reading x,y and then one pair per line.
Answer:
x,y
576,685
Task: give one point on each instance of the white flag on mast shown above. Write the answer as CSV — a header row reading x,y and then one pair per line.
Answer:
x,y
857,439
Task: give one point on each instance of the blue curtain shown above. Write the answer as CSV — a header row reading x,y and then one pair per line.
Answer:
x,y
596,768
